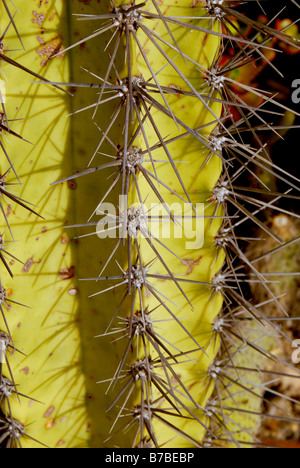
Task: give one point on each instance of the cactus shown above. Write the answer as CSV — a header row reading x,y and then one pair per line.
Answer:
x,y
132,160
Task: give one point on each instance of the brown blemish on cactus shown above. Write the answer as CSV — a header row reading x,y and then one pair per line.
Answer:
x,y
73,292
41,40
8,210
52,17
172,86
50,423
67,273
192,385
72,184
64,240
28,265
38,18
53,47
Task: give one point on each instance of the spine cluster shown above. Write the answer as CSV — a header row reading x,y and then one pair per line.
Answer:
x,y
11,430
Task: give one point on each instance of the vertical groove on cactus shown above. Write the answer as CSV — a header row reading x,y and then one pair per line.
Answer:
x,y
141,153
